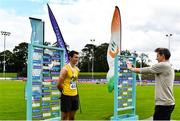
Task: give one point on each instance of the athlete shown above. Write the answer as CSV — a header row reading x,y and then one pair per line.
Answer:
x,y
67,85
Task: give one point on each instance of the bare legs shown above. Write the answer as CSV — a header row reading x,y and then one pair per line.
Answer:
x,y
68,115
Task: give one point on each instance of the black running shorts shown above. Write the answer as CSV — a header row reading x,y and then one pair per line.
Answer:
x,y
69,103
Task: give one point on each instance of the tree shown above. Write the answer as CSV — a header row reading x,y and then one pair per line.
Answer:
x,y
144,59
126,52
1,61
100,61
141,60
56,45
20,54
47,43
99,53
85,58
8,60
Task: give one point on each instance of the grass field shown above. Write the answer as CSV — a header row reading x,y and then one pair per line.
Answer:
x,y
8,74
177,73
96,102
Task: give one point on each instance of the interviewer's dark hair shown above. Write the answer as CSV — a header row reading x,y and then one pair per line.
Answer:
x,y
163,51
71,53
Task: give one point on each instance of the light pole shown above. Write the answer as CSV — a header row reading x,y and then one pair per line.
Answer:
x,y
4,33
92,49
169,36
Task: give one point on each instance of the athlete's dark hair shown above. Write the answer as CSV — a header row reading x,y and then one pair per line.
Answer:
x,y
71,53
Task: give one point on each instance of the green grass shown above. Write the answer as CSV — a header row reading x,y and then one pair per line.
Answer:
x,y
177,73
145,101
8,74
12,104
95,74
96,102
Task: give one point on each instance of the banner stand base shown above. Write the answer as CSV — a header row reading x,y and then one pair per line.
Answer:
x,y
125,117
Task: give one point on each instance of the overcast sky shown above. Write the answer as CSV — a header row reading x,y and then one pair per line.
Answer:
x,y
144,23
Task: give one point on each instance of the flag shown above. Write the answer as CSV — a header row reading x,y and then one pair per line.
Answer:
x,y
59,37
114,47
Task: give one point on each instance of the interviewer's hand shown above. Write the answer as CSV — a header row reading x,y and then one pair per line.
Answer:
x,y
129,65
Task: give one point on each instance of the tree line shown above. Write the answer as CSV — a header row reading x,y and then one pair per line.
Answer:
x,y
16,61
91,58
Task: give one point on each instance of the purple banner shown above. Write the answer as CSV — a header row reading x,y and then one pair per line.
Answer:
x,y
59,37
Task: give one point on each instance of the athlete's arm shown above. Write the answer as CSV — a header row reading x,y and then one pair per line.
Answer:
x,y
62,76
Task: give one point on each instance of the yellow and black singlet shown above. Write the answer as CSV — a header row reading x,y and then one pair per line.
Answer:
x,y
70,82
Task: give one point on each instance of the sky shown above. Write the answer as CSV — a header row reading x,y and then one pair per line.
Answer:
x,y
145,23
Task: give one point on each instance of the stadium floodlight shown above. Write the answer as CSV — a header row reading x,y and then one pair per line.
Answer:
x,y
4,33
92,57
169,36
